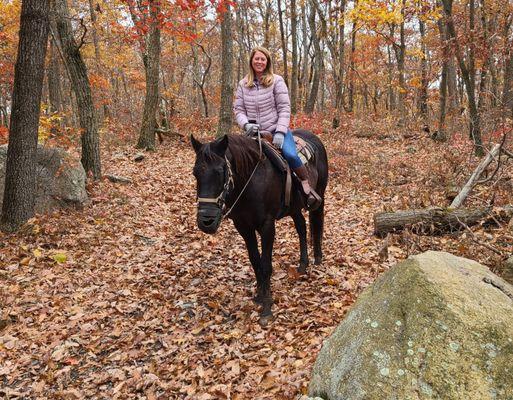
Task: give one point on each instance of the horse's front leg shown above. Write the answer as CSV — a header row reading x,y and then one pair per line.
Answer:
x,y
249,236
300,224
267,233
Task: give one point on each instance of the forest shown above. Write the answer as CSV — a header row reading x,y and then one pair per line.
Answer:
x,y
114,292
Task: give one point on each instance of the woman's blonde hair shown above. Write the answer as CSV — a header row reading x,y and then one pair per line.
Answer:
x,y
268,75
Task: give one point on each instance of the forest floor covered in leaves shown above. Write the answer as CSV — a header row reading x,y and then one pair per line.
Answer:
x,y
127,299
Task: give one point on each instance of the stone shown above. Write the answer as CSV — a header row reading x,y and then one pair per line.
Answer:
x,y
118,179
435,326
60,179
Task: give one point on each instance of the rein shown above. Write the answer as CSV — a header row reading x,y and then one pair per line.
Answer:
x,y
229,182
225,214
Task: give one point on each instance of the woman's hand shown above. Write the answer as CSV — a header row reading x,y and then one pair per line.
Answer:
x,y
278,139
251,129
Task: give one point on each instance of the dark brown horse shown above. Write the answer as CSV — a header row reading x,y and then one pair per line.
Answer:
x,y
235,181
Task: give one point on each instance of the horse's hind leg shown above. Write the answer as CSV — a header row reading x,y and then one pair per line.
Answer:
x,y
300,223
316,231
250,239
267,233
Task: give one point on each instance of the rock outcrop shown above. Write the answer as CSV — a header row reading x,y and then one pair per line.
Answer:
x,y
60,179
435,326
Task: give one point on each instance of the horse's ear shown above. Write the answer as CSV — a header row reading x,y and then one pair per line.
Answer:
x,y
219,147
196,144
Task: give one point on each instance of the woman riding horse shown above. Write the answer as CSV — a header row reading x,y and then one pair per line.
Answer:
x,y
262,96
233,179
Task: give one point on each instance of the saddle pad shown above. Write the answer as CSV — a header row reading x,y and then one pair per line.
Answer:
x,y
305,150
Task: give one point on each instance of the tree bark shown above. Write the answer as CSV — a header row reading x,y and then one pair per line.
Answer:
x,y
352,68
391,103
441,135
151,60
314,90
423,100
436,220
507,91
20,176
97,54
475,123
54,80
225,110
82,89
295,66
339,90
283,44
400,54
305,66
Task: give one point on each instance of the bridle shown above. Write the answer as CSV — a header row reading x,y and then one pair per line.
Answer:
x,y
228,182
220,200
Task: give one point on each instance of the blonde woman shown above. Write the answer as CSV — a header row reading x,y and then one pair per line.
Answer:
x,y
262,96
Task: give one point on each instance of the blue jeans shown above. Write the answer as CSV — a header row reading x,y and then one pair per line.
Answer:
x,y
290,152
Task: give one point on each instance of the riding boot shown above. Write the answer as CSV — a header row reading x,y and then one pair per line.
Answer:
x,y
313,200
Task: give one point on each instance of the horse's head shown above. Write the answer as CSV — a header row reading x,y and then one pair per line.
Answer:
x,y
213,181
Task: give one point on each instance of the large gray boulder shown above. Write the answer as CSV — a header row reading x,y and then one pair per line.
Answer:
x,y
60,179
435,326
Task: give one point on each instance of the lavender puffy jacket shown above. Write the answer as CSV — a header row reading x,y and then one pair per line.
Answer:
x,y
269,106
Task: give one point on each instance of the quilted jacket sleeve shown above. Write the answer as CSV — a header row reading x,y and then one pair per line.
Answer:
x,y
238,107
282,100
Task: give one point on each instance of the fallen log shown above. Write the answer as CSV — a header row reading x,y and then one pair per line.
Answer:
x,y
438,220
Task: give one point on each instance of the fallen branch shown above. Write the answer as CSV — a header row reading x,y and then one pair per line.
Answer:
x,y
462,195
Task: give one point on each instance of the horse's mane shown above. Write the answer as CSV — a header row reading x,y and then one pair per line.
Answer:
x,y
242,151
245,153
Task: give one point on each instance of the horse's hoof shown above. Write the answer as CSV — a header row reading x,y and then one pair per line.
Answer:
x,y
265,319
301,270
318,261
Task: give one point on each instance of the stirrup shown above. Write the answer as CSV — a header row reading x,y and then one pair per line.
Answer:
x,y
313,200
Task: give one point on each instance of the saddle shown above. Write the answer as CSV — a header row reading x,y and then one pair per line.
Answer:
x,y
305,152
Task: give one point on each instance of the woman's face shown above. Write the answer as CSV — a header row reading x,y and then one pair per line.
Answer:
x,y
259,62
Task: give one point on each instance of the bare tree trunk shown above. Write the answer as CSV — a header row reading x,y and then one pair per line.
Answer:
x,y
82,89
423,100
337,55
97,54
442,136
225,111
312,98
390,79
452,84
243,51
507,91
295,66
352,67
283,45
339,90
20,175
400,53
475,124
54,80
305,69
266,17
151,60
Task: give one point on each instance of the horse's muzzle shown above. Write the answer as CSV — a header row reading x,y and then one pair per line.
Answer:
x,y
209,218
